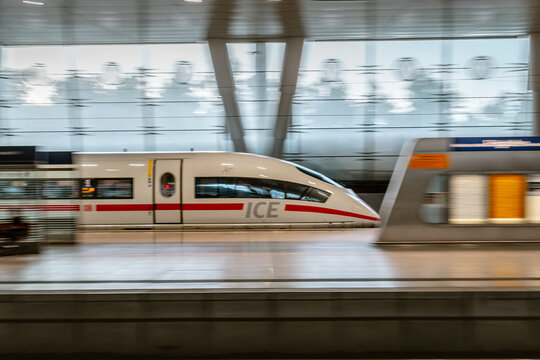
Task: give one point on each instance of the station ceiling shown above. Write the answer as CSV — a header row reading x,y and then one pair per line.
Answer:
x,y
177,21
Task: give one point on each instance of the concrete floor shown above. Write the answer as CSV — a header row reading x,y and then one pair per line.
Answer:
x,y
266,260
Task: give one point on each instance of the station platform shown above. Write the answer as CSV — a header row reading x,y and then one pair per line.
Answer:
x,y
263,259
273,294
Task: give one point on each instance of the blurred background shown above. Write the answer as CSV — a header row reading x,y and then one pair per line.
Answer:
x,y
361,77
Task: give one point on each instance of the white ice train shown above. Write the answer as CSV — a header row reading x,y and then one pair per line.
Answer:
x,y
210,189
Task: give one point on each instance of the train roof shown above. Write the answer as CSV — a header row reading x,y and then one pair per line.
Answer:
x,y
182,153
163,152
224,158
173,154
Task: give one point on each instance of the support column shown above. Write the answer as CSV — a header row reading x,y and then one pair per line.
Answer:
x,y
534,79
289,78
225,82
1,101
263,142
260,75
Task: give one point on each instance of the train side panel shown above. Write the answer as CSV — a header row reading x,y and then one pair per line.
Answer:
x,y
106,171
263,210
116,207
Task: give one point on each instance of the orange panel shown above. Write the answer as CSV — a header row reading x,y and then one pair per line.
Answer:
x,y
507,196
429,161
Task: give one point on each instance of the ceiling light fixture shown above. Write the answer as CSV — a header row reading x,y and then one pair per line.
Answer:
x,y
33,2
193,0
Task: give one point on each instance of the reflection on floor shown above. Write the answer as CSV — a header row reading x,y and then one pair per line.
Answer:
x,y
284,259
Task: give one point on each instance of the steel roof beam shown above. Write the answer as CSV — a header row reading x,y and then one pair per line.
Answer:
x,y
289,78
225,82
534,79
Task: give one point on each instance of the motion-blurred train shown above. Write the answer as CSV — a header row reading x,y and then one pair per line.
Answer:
x,y
161,190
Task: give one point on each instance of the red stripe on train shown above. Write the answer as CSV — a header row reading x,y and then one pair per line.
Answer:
x,y
41,207
61,207
21,207
235,206
150,207
125,207
167,206
321,210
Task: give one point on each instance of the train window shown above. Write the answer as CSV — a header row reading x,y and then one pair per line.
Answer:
x,y
260,188
167,185
228,187
255,188
206,187
245,188
295,191
88,188
316,195
276,189
17,189
59,189
114,188
215,188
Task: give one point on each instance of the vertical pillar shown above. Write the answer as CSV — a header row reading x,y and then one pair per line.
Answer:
x,y
74,111
261,146
289,78
1,97
369,150
147,104
1,83
73,81
445,97
534,79
260,76
225,82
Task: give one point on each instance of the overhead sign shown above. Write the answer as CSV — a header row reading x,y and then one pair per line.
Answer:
x,y
496,144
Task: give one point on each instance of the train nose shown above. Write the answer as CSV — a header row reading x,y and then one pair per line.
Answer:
x,y
367,217
370,218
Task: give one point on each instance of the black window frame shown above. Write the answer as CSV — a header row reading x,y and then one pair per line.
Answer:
x,y
311,193
300,195
95,182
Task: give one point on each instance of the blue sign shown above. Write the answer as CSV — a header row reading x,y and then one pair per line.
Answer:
x,y
496,144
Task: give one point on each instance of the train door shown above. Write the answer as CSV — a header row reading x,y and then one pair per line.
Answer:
x,y
167,191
